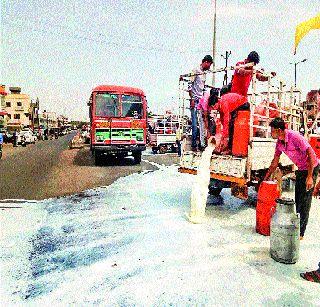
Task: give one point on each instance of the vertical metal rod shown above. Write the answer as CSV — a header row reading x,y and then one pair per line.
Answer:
x,y
295,75
214,41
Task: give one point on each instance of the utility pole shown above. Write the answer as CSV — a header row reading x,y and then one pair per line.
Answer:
x,y
226,57
214,41
295,71
38,107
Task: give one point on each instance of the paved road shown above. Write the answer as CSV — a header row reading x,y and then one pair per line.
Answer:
x,y
48,169
24,171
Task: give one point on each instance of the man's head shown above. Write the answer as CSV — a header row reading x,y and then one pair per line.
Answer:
x,y
206,62
277,128
214,96
253,56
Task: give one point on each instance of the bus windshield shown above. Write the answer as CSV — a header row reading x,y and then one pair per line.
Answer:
x,y
107,104
132,106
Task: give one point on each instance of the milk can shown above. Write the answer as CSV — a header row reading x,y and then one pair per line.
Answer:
x,y
285,232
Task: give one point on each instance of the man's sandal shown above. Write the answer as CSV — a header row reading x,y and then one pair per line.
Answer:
x,y
313,276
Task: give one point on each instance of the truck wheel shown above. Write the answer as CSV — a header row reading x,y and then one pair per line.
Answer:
x,y
173,148
137,157
214,191
154,150
163,149
97,158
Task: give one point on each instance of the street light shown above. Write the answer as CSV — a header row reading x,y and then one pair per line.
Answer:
x,y
295,71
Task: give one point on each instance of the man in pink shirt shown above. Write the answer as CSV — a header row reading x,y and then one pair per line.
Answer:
x,y
296,147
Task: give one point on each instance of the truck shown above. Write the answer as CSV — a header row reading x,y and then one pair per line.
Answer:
x,y
266,100
162,133
118,122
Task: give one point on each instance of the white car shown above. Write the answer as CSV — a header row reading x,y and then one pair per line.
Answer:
x,y
30,137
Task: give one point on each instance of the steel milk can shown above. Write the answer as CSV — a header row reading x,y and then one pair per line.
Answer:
x,y
285,232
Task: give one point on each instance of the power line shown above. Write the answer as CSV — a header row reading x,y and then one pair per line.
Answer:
x,y
100,38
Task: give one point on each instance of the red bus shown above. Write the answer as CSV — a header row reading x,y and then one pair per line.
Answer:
x,y
118,122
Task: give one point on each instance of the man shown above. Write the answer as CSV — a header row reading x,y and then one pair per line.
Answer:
x,y
237,98
242,76
296,147
313,276
196,88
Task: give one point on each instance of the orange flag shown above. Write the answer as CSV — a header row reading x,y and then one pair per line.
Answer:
x,y
303,28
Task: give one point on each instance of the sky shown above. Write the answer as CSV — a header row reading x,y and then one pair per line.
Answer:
x,y
59,50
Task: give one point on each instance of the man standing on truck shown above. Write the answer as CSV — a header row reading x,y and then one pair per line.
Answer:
x,y
242,76
196,88
300,152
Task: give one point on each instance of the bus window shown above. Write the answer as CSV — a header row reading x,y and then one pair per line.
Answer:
x,y
107,105
132,106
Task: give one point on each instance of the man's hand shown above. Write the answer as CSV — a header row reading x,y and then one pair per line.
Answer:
x,y
192,104
316,190
309,183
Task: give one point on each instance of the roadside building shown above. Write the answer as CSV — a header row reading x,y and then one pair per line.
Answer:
x,y
17,106
49,119
34,111
62,121
3,113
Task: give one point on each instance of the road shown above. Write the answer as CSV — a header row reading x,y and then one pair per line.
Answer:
x,y
130,244
50,169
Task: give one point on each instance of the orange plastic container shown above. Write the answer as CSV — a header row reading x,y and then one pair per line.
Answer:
x,y
241,134
314,141
267,195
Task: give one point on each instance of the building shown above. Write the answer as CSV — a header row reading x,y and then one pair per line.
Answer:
x,y
63,121
3,113
17,106
48,120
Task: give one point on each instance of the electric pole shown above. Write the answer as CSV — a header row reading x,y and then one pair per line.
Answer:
x,y
226,57
214,41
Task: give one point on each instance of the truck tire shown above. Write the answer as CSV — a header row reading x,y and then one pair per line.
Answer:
x,y
97,158
155,150
137,157
162,149
215,191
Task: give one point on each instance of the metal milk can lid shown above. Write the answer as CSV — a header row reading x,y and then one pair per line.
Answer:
x,y
285,201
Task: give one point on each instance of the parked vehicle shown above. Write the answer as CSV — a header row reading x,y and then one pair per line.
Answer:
x,y
118,122
162,137
27,136
85,134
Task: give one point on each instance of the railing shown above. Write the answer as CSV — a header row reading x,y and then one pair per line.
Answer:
x,y
273,96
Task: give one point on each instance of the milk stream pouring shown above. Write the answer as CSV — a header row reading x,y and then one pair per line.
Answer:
x,y
285,232
200,188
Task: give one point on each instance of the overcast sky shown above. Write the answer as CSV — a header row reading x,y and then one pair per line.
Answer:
x,y
59,50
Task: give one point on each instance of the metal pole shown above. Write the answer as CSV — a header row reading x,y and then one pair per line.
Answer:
x,y
228,53
295,75
214,40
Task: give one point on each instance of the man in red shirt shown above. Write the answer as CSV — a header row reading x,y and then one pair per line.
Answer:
x,y
243,74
